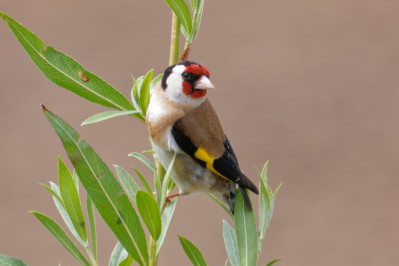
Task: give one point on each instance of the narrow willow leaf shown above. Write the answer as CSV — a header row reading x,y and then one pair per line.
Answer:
x,y
64,214
155,82
277,190
128,183
266,205
60,235
136,90
244,220
135,101
222,205
263,175
185,34
197,6
149,212
76,180
166,181
273,261
166,217
118,255
143,181
144,160
149,151
180,8
55,195
264,212
192,252
92,221
106,115
71,199
10,261
126,262
158,189
145,91
230,241
65,71
104,190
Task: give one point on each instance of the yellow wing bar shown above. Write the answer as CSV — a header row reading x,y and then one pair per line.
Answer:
x,y
203,155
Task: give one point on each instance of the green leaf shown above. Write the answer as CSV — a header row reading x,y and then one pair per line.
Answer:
x,y
244,220
192,252
222,205
135,100
145,91
155,82
166,217
61,236
64,214
277,190
266,205
263,175
126,262
180,8
144,160
230,240
71,199
76,180
55,194
143,181
197,7
128,183
158,189
167,181
273,261
92,221
136,90
149,151
10,261
149,212
264,212
106,115
104,190
65,71
118,255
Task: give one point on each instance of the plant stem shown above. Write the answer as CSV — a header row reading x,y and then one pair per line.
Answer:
x,y
175,41
91,257
153,252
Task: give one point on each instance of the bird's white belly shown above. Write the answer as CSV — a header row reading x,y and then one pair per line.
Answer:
x,y
188,175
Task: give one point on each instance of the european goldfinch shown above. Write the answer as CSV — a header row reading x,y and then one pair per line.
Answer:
x,y
181,120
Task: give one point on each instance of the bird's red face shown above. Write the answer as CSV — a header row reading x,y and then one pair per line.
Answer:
x,y
196,81
186,83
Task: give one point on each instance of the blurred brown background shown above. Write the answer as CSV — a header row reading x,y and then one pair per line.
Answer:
x,y
311,86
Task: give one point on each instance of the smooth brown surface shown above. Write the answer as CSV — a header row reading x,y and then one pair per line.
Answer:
x,y
311,86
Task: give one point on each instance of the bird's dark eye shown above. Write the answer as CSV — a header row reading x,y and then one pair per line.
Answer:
x,y
186,75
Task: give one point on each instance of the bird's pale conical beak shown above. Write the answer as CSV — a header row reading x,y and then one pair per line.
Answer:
x,y
203,84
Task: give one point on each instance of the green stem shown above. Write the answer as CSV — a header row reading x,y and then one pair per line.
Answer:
x,y
153,252
91,257
175,41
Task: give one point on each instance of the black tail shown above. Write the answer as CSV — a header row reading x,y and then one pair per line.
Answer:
x,y
244,183
246,198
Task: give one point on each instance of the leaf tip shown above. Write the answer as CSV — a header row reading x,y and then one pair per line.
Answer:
x,y
44,107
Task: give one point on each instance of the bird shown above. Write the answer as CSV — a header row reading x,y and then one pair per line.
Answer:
x,y
182,121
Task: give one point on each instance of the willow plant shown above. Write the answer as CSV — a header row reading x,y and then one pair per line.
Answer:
x,y
123,203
